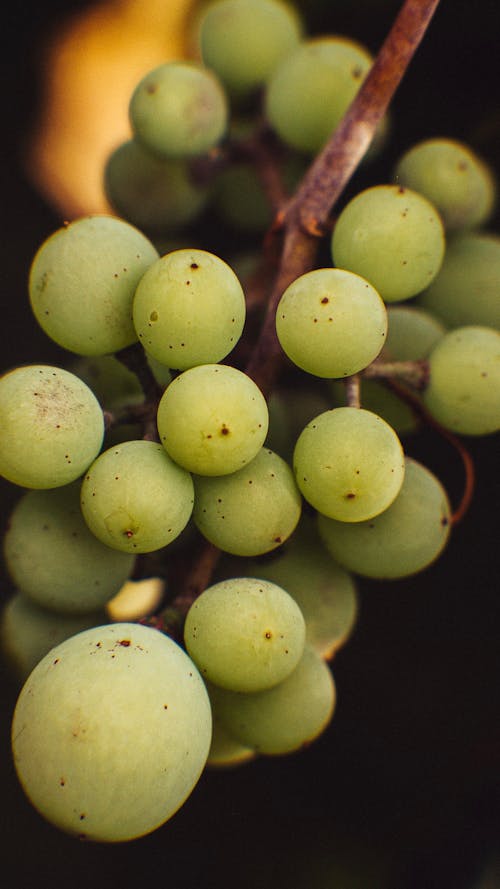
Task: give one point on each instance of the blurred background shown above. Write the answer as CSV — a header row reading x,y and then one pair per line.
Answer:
x,y
403,790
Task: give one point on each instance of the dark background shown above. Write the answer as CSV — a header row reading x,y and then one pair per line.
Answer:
x,y
402,791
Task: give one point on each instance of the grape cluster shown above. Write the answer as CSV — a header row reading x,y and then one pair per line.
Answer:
x,y
161,448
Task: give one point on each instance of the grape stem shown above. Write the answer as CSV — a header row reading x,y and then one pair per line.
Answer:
x,y
414,373
305,218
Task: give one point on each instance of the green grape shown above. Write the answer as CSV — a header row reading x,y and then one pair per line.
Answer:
x,y
464,388
450,175
52,426
111,732
407,537
244,40
160,371
311,89
331,323
245,634
189,309
54,559
251,511
225,751
324,592
28,632
284,718
108,378
179,110
412,333
391,236
82,283
212,419
135,499
156,194
467,288
349,464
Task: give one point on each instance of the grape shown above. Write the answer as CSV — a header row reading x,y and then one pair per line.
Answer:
x,y
311,89
82,282
28,632
245,634
189,309
391,236
108,378
412,333
128,738
250,511
244,40
156,194
464,388
240,199
135,499
284,718
136,599
450,175
52,426
179,110
225,750
402,540
349,464
212,419
324,592
54,559
467,289
290,409
331,323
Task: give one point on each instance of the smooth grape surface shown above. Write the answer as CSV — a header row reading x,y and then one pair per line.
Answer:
x,y
311,89
156,194
324,592
404,539
391,236
52,426
349,464
284,718
82,282
464,389
28,632
127,741
245,634
134,498
452,176
244,40
54,559
412,333
227,751
189,309
331,323
467,287
212,419
179,110
251,511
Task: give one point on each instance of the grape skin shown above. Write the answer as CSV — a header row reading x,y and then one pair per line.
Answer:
x,y
331,323
349,464
129,737
391,236
404,539
134,498
52,426
212,419
54,559
251,511
82,282
245,634
464,386
189,309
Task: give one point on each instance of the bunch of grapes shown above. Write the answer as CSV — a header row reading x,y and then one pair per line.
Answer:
x,y
232,426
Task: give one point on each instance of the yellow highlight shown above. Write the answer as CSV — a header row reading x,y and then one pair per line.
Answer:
x,y
90,70
136,599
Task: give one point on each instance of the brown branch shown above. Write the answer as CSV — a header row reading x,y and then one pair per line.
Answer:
x,y
414,373
352,391
306,217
